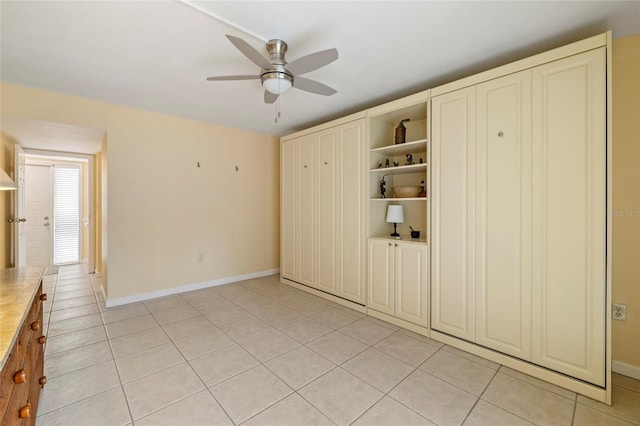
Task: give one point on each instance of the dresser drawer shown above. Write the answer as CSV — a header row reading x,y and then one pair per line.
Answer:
x,y
15,362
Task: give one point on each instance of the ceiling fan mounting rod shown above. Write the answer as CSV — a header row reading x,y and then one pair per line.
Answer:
x,y
277,48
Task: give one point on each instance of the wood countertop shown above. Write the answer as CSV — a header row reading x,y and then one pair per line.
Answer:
x,y
17,289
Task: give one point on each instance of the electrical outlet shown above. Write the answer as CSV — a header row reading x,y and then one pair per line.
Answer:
x,y
200,257
619,312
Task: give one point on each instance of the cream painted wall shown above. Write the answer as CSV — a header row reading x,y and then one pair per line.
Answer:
x,y
626,197
6,162
162,209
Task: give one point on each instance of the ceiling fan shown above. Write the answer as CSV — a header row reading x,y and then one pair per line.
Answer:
x,y
278,76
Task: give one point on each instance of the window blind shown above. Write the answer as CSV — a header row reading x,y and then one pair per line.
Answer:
x,y
66,214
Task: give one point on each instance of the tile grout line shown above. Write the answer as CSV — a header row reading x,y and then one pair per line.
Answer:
x,y
495,373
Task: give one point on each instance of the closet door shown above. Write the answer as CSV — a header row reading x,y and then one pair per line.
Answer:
x,y
289,209
307,213
350,211
569,216
411,282
503,214
381,276
326,228
452,210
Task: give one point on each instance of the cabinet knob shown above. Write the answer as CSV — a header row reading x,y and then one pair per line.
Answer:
x,y
325,163
43,296
43,381
42,340
501,134
396,244
35,325
20,376
305,166
25,412
389,244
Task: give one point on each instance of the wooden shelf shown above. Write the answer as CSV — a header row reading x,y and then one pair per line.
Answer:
x,y
413,147
414,168
399,199
403,238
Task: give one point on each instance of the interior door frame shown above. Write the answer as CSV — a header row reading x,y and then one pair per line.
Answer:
x,y
90,159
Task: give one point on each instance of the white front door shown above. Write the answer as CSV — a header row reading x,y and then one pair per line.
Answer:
x,y
38,214
19,229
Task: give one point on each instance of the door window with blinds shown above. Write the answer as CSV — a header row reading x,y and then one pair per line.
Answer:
x,y
66,214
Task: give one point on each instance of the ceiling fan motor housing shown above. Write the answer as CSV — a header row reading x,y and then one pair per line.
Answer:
x,y
278,79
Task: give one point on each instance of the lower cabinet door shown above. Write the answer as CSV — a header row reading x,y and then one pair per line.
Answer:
x,y
380,273
411,282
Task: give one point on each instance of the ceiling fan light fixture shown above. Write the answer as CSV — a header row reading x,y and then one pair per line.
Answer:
x,y
277,82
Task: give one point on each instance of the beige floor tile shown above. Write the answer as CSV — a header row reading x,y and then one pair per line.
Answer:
x,y
420,337
160,389
484,414
625,404
76,359
540,383
340,395
170,315
291,411
223,363
59,289
389,412
407,349
243,329
299,367
161,303
257,305
198,409
438,401
312,308
228,315
149,361
210,303
378,369
75,339
78,311
72,303
337,347
187,327
64,295
382,323
204,342
626,382
246,394
74,324
471,357
124,312
136,342
304,330
278,314
268,345
528,401
459,371
107,408
64,390
366,331
585,416
335,318
129,326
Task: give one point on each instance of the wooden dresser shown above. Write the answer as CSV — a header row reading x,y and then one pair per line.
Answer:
x,y
22,342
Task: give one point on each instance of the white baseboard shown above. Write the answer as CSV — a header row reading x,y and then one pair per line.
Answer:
x,y
188,287
625,369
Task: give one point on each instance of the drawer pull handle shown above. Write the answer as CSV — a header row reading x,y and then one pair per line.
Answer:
x,y
42,340
35,325
43,296
43,381
25,412
20,376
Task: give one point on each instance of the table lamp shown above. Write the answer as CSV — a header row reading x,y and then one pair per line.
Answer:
x,y
395,215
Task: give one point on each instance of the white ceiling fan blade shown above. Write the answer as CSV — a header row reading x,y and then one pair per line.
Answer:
x,y
233,77
269,97
313,86
312,61
251,53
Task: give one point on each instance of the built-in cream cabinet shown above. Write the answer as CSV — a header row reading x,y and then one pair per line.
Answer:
x,y
397,275
518,217
323,210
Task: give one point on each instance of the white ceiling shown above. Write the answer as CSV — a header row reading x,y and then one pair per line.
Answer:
x,y
156,55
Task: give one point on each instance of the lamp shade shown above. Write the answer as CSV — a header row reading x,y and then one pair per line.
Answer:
x,y
6,183
395,214
277,85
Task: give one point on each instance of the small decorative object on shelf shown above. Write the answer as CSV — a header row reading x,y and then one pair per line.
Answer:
x,y
395,215
414,233
387,164
421,160
382,188
380,165
396,163
410,160
423,193
401,132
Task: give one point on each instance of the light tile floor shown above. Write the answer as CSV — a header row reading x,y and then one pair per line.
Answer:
x,y
261,353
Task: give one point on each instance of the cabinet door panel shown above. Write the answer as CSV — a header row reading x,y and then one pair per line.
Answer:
x,y
503,214
306,234
288,209
326,199
351,211
452,226
411,283
380,276
569,222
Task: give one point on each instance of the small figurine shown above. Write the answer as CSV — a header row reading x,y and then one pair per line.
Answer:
x,y
380,164
421,161
409,160
387,164
382,188
396,164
